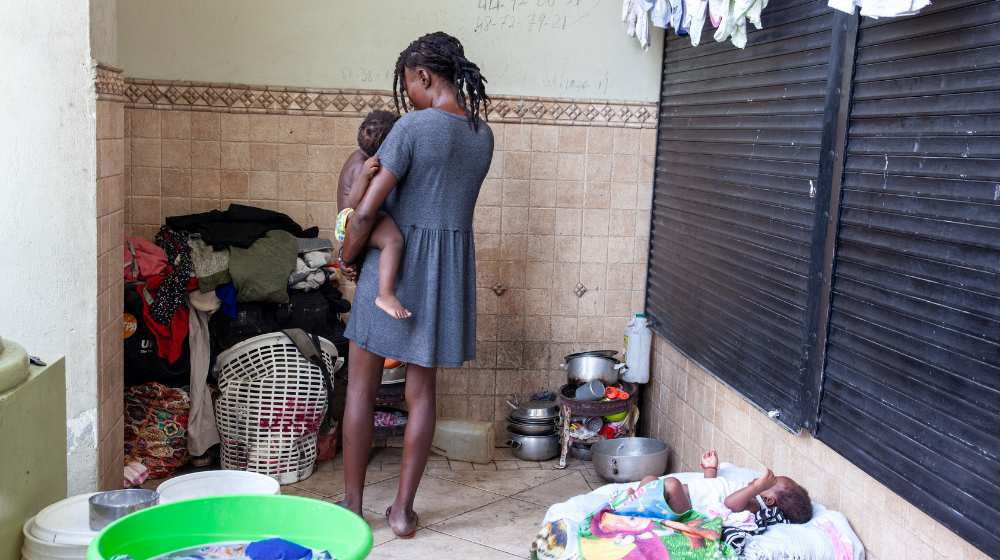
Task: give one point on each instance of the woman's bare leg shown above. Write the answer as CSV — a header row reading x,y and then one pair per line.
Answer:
x,y
365,374
387,237
420,389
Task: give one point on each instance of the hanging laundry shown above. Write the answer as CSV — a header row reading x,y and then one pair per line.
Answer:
x,y
238,225
660,14
694,18
635,16
211,267
881,8
733,16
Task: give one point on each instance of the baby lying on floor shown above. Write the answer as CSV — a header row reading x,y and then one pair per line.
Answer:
x,y
668,498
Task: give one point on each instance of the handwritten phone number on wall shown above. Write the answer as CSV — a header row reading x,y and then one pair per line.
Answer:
x,y
514,5
529,22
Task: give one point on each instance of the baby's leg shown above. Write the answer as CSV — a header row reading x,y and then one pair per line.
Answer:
x,y
387,237
675,496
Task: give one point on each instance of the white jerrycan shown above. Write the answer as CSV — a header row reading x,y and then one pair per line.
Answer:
x,y
638,344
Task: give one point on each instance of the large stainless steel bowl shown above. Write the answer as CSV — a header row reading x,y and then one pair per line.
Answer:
x,y
394,375
630,459
531,429
584,369
534,410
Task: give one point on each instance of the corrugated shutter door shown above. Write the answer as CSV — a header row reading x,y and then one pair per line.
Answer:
x,y
737,159
912,388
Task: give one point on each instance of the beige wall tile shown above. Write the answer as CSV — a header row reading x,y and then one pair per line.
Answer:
x,y
235,156
263,185
293,129
515,192
293,158
145,123
600,140
206,154
205,183
205,126
235,128
176,153
543,194
263,157
264,128
145,152
175,183
235,185
175,125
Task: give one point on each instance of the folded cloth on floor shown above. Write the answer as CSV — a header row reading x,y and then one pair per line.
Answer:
x,y
238,226
314,244
881,8
211,267
558,538
207,302
175,285
261,272
387,419
227,299
135,474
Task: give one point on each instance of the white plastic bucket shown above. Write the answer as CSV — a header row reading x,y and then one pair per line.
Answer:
x,y
66,522
37,549
216,483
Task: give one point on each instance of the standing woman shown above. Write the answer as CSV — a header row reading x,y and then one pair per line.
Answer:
x,y
433,165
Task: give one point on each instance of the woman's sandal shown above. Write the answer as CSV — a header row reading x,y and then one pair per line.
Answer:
x,y
410,536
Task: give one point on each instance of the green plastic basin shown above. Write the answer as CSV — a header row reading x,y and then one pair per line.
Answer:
x,y
168,527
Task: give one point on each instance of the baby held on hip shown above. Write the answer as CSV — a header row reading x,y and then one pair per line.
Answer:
x,y
353,191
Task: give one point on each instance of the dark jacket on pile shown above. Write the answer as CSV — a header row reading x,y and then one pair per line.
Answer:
x,y
238,226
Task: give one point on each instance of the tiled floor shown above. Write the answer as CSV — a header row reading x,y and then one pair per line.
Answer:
x,y
466,510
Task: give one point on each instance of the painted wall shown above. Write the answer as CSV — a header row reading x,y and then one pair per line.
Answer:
x,y
104,30
48,201
554,48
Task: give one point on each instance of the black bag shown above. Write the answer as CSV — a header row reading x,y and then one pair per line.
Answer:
x,y
252,319
142,363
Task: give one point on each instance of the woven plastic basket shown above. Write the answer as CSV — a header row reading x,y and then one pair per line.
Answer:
x,y
271,405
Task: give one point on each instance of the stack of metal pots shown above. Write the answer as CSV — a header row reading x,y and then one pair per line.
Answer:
x,y
532,429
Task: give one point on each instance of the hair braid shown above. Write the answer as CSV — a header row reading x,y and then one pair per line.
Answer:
x,y
444,56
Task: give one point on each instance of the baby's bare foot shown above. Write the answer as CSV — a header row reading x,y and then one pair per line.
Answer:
x,y
392,306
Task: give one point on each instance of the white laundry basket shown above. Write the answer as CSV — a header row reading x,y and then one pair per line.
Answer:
x,y
271,404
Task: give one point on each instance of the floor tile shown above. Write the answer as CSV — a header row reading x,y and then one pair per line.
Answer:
x,y
437,499
460,465
506,483
381,533
506,465
432,545
509,525
487,467
559,490
528,465
329,482
290,490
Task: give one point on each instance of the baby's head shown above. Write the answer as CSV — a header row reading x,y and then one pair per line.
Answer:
x,y
791,498
374,129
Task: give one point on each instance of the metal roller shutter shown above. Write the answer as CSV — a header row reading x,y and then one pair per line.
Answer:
x,y
912,382
737,165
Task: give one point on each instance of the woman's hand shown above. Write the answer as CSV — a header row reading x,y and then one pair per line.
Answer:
x,y
349,271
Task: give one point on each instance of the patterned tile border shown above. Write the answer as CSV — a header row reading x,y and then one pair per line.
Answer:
x,y
109,83
241,98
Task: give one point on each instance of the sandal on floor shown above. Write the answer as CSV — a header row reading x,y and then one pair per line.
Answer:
x,y
410,536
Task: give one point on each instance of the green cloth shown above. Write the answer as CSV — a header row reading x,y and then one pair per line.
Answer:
x,y
211,267
260,273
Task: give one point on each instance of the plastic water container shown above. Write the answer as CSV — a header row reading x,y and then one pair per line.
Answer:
x,y
216,483
638,345
464,440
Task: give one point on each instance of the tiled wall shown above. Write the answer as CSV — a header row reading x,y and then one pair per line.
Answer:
x,y
110,228
563,205
693,412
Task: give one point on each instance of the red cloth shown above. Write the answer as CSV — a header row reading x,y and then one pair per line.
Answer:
x,y
169,338
151,259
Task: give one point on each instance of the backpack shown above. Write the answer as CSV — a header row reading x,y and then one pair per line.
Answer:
x,y
142,363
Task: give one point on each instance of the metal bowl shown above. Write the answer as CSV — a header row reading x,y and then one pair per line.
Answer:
x,y
630,459
108,507
598,353
532,429
394,375
534,410
531,421
580,451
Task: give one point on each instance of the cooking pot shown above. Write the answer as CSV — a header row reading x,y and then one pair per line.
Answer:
x,y
534,448
534,410
584,369
629,459
394,375
530,421
598,353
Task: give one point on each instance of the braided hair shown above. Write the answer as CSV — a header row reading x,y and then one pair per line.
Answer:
x,y
444,55
374,129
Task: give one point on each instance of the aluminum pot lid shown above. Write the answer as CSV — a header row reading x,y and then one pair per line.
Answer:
x,y
608,354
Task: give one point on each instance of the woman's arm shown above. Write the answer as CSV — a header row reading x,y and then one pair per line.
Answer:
x,y
362,221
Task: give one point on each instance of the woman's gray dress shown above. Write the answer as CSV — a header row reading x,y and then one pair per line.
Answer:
x,y
441,163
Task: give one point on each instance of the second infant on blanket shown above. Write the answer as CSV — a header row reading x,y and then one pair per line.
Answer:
x,y
668,498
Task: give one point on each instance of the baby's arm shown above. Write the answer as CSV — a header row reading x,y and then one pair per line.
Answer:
x,y
738,500
710,464
360,186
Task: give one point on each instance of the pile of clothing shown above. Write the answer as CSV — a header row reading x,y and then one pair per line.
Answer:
x,y
213,280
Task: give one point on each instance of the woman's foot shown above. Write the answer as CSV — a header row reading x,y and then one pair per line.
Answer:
x,y
402,528
391,305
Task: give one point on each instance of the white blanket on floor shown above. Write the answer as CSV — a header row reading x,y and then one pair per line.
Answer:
x,y
558,538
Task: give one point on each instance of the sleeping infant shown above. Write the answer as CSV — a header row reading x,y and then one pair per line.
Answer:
x,y
668,498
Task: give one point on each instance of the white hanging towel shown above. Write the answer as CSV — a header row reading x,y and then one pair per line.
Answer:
x,y
660,14
694,18
717,10
635,16
881,8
